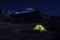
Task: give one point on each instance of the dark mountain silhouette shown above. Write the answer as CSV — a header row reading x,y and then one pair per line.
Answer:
x,y
27,17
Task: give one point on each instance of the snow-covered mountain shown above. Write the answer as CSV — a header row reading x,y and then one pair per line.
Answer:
x,y
27,10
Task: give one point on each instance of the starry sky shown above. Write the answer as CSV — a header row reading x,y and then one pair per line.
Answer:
x,y
50,7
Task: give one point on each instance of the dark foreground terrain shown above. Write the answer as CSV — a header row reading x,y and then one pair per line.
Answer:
x,y
19,27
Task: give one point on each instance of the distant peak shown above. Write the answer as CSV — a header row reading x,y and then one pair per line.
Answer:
x,y
29,9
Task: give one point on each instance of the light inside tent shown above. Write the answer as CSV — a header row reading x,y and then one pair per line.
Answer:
x,y
39,28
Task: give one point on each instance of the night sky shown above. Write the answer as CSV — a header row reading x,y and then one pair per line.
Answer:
x,y
50,7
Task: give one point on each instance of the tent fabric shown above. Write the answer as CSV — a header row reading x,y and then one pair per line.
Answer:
x,y
39,28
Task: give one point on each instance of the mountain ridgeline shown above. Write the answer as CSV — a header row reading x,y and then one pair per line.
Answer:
x,y
35,17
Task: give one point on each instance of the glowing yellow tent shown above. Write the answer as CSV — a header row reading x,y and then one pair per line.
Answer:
x,y
39,28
